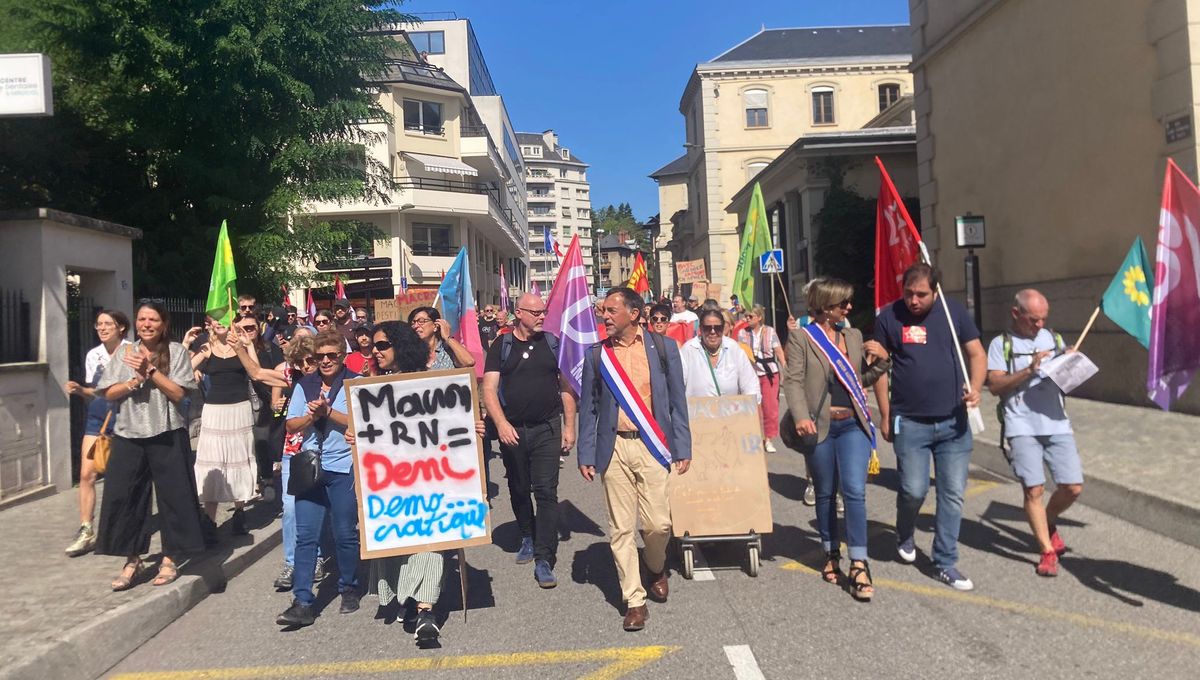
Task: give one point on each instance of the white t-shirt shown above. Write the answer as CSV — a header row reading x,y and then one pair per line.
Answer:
x,y
95,361
686,315
733,373
1036,407
763,342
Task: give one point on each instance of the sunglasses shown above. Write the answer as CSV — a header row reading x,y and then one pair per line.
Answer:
x,y
249,328
327,356
306,361
245,306
719,328
843,304
322,322
659,319
382,345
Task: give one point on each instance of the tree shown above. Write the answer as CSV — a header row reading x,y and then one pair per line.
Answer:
x,y
174,116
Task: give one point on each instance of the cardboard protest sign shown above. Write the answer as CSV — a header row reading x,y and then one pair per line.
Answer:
x,y
398,308
386,310
690,271
725,492
700,290
418,462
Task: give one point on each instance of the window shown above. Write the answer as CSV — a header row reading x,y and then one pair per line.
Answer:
x,y
565,153
581,193
535,151
889,93
429,42
755,102
822,103
431,239
566,230
566,212
562,173
540,210
540,173
423,116
582,213
753,168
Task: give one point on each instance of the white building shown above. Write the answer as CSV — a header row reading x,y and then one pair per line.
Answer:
x,y
559,199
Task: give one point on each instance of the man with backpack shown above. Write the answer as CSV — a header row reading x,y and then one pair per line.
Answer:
x,y
1034,424
533,408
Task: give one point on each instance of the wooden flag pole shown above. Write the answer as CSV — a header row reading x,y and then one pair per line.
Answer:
x,y
787,303
1088,327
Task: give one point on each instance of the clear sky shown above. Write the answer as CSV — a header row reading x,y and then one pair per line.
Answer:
x,y
607,75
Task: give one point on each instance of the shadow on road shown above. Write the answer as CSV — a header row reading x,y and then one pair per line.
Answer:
x,y
594,566
573,520
787,485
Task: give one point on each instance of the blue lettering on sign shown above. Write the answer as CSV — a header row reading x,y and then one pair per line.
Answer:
x,y
425,516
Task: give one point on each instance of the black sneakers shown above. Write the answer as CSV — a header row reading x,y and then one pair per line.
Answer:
x,y
297,615
427,629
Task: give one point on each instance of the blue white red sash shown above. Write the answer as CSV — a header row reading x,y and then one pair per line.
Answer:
x,y
844,371
631,403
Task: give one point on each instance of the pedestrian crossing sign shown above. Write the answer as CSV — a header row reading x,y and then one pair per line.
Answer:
x,y
771,262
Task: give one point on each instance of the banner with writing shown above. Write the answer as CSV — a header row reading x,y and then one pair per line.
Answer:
x,y
398,308
690,271
418,462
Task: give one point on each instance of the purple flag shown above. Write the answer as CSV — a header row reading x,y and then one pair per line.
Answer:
x,y
1175,316
569,315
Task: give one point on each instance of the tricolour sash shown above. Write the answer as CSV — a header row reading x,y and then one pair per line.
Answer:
x,y
844,371
631,403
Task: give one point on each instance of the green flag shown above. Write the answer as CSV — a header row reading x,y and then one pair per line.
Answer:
x,y
1127,300
221,291
756,240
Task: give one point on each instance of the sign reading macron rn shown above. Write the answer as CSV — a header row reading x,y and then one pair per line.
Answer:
x,y
25,88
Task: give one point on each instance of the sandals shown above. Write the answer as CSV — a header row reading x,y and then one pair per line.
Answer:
x,y
861,590
123,582
833,575
167,573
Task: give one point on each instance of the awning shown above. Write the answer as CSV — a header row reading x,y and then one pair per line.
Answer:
x,y
451,166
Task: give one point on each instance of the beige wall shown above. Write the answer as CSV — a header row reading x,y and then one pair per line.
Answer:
x,y
1047,118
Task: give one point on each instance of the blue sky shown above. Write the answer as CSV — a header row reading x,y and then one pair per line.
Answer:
x,y
607,75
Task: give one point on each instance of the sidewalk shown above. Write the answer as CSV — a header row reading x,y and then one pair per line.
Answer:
x,y
59,618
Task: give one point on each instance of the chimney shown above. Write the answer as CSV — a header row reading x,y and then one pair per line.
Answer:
x,y
551,140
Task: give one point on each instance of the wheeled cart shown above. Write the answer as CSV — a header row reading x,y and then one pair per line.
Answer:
x,y
687,546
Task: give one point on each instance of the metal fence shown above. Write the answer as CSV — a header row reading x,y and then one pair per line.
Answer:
x,y
185,313
15,329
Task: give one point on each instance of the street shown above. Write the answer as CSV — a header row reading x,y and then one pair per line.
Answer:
x,y
1124,605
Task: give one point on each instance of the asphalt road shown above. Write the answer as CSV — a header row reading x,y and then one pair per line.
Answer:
x,y
1125,605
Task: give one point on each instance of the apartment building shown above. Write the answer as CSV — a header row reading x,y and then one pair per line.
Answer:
x,y
618,253
559,199
460,180
745,107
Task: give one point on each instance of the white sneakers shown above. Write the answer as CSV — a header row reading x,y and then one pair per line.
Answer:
x,y
769,446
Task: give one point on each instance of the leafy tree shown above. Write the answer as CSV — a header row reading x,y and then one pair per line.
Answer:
x,y
174,116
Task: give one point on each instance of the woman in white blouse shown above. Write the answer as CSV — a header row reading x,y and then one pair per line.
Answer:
x,y
714,365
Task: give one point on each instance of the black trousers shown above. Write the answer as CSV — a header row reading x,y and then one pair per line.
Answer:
x,y
532,468
164,462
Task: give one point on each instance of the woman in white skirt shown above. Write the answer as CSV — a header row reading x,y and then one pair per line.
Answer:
x,y
225,466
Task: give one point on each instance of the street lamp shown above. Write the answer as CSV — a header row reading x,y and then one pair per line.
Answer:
x,y
597,234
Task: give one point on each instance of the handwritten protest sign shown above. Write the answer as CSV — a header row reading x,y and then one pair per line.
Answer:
x,y
690,271
398,308
725,492
700,290
418,463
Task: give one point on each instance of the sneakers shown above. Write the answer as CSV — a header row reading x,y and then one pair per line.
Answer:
x,y
907,551
544,574
427,629
1049,564
350,600
267,491
955,579
284,580
319,573
770,448
85,541
297,615
525,553
238,524
810,494
1056,542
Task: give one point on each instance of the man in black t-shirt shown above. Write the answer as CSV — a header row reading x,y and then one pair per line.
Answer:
x,y
927,414
533,408
489,327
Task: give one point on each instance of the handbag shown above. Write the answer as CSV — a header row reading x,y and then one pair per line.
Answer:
x,y
102,448
306,472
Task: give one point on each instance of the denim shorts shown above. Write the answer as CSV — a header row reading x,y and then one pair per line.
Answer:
x,y
1027,452
96,411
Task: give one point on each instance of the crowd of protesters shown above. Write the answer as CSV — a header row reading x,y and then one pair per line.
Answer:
x,y
220,417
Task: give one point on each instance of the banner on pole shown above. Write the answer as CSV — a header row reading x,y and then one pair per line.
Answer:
x,y
418,462
690,271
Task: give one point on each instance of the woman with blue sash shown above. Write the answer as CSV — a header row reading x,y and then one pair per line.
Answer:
x,y
828,367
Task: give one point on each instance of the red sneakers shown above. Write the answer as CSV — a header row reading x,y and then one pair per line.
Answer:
x,y
1049,564
1057,543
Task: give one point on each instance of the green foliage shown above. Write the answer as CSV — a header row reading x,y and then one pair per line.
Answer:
x,y
171,116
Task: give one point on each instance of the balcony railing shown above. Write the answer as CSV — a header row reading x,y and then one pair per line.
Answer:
x,y
459,186
473,130
538,196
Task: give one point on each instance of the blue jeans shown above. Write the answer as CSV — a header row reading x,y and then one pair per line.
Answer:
x,y
289,517
333,495
842,456
948,442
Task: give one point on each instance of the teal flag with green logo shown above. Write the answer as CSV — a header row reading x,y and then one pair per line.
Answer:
x,y
1127,300
222,293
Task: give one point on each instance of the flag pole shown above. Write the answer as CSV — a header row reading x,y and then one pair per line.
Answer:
x,y
962,362
783,288
1088,327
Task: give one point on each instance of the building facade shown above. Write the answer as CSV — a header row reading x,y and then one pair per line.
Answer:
x,y
559,199
1061,145
743,108
618,253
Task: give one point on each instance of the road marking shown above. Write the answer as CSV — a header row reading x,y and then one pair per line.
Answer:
x,y
745,667
946,593
620,661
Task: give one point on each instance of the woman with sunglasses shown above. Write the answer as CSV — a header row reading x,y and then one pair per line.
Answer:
x,y
832,426
147,381
443,350
266,449
111,328
768,359
660,320
713,364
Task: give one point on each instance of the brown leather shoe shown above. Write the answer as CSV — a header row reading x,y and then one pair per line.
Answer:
x,y
658,586
635,618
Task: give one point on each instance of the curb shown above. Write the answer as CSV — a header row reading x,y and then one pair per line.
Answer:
x,y
1171,519
90,649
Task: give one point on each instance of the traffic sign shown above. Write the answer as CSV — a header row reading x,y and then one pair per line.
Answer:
x,y
771,262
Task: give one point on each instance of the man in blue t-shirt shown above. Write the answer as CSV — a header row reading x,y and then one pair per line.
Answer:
x,y
927,414
1035,424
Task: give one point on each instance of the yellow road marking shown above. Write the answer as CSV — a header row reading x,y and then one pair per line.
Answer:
x,y
621,660
944,593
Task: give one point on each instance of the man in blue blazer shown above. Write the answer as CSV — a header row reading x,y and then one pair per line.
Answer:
x,y
634,444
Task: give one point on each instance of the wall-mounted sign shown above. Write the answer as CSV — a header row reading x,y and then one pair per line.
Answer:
x,y
1179,129
25,88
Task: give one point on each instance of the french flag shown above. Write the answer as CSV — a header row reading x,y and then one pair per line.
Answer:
x,y
552,245
458,307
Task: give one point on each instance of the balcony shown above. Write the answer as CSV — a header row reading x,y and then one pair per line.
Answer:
x,y
540,196
495,201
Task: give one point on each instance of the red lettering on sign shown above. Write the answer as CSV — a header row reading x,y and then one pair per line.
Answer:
x,y
382,472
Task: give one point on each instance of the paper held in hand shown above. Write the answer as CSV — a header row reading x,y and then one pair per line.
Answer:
x,y
1068,371
975,419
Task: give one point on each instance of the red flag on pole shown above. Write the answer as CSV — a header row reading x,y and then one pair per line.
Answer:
x,y
638,279
286,300
339,291
311,307
896,240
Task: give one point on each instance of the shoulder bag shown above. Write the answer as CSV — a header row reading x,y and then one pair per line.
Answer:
x,y
102,449
306,472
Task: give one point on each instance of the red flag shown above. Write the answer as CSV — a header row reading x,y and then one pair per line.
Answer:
x,y
312,306
1175,314
638,280
896,240
286,300
339,291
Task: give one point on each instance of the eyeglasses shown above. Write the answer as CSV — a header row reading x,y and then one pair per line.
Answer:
x,y
659,319
327,356
306,361
718,328
843,304
321,322
382,345
246,307
535,312
420,322
249,328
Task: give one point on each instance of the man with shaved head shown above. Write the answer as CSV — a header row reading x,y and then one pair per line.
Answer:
x,y
1035,425
533,408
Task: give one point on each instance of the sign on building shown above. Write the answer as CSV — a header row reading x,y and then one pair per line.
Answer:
x,y
25,88
418,462
690,271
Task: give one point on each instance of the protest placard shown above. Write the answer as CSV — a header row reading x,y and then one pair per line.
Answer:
x,y
725,492
699,289
418,462
398,308
690,271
